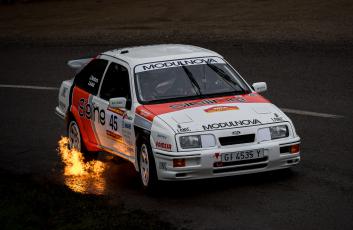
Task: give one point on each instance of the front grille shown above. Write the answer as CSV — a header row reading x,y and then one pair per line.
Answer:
x,y
234,140
245,167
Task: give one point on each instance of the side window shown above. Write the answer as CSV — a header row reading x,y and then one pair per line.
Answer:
x,y
90,76
116,83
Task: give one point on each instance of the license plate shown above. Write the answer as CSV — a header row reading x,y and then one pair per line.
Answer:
x,y
243,155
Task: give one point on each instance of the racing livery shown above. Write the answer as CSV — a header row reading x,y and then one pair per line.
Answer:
x,y
177,112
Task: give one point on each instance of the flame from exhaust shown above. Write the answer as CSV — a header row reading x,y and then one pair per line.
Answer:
x,y
81,176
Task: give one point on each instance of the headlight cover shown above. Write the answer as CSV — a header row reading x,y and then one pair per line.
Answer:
x,y
197,141
272,133
190,142
280,131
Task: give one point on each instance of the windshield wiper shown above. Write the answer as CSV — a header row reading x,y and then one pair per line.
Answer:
x,y
225,77
192,79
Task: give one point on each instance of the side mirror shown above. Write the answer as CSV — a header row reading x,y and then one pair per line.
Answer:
x,y
259,87
117,102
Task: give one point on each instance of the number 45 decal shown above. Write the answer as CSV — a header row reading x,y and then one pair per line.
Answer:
x,y
113,122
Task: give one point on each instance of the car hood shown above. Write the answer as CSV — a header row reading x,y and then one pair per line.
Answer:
x,y
217,113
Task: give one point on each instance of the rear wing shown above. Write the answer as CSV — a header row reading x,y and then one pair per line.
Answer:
x,y
78,63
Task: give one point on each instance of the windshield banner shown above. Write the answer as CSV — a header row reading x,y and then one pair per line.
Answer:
x,y
178,63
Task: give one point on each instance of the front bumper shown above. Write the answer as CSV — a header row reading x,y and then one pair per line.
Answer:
x,y
201,164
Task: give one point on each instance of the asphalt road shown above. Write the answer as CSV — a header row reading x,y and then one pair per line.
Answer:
x,y
317,194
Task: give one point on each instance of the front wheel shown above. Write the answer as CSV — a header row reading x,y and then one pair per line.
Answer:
x,y
147,167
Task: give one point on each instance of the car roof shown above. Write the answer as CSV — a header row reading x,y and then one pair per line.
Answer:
x,y
156,53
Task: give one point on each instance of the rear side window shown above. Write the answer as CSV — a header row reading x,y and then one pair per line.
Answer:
x,y
90,76
116,83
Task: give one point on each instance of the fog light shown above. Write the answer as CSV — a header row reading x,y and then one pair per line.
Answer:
x,y
179,163
295,148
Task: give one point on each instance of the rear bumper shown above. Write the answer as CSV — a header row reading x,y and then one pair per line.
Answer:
x,y
201,165
60,114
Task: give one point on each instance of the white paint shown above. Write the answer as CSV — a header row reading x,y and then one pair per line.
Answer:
x,y
28,87
309,113
287,110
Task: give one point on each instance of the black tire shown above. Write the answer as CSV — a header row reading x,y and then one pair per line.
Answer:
x,y
78,143
147,163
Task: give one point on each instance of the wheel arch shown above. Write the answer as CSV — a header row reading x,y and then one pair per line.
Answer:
x,y
140,136
71,116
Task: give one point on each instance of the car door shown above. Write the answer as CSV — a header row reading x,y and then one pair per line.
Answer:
x,y
115,135
86,85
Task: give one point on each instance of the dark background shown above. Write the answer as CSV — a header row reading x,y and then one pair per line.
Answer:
x,y
302,49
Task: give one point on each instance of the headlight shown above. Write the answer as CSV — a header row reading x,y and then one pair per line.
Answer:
x,y
197,141
190,142
280,131
272,133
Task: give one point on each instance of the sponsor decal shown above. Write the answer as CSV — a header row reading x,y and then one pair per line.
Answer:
x,y
194,104
177,63
113,136
236,133
92,81
127,136
158,109
144,113
277,118
113,122
161,136
184,129
208,102
117,103
220,109
87,111
163,146
140,110
231,124
127,125
237,99
81,108
117,111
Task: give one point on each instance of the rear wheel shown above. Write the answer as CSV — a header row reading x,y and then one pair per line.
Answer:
x,y
147,166
76,142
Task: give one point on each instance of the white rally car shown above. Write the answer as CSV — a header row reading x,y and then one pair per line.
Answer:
x,y
177,112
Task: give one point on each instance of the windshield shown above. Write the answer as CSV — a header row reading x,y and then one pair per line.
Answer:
x,y
187,78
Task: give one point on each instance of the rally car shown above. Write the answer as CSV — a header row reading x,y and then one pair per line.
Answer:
x,y
177,112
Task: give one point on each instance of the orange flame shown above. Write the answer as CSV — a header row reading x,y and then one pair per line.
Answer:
x,y
81,176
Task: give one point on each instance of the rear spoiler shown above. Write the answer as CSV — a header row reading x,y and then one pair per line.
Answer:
x,y
78,63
